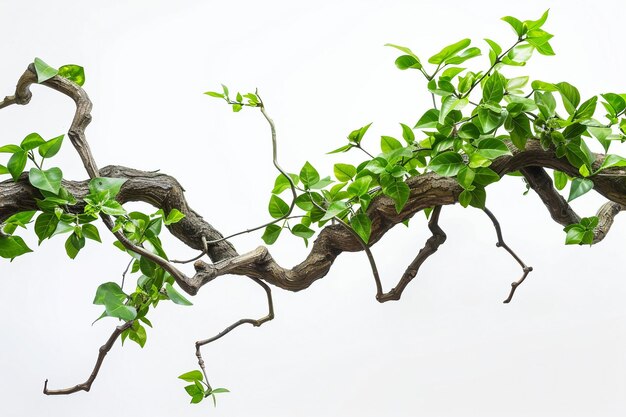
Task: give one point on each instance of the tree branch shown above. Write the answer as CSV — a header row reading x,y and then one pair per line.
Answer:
x,y
561,211
102,353
501,244
432,244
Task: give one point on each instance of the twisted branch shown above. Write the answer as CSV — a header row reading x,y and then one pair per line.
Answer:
x,y
102,353
163,191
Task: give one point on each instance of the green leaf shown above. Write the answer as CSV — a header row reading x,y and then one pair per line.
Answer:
x,y
3,170
519,55
494,52
32,141
388,144
469,131
493,90
475,198
447,164
174,216
399,192
335,209
516,84
44,71
404,62
21,219
111,185
616,103
91,232
449,51
357,135
492,148
575,234
465,177
342,149
403,49
560,179
219,390
451,103
579,187
138,334
175,296
463,56
109,288
360,186
362,225
74,244
51,147
430,119
12,247
485,176
465,198
16,164
115,308
45,225
271,234
519,129
10,149
74,73
546,103
586,110
49,180
344,172
191,376
277,207
282,183
113,208
214,94
302,231
407,134
536,24
516,24
309,175
612,161
489,120
570,96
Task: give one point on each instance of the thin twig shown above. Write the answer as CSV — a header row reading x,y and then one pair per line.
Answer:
x,y
278,167
501,244
205,249
126,271
255,323
102,352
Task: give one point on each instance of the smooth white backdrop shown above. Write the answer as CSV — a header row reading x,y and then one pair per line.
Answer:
x,y
448,348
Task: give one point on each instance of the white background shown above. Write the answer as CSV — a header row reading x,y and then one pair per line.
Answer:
x,y
448,348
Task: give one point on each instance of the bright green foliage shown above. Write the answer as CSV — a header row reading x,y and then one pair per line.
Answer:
x,y
199,390
478,115
73,73
44,71
581,233
481,116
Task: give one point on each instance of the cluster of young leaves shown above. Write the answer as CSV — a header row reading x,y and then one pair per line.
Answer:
x,y
481,116
199,390
251,99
